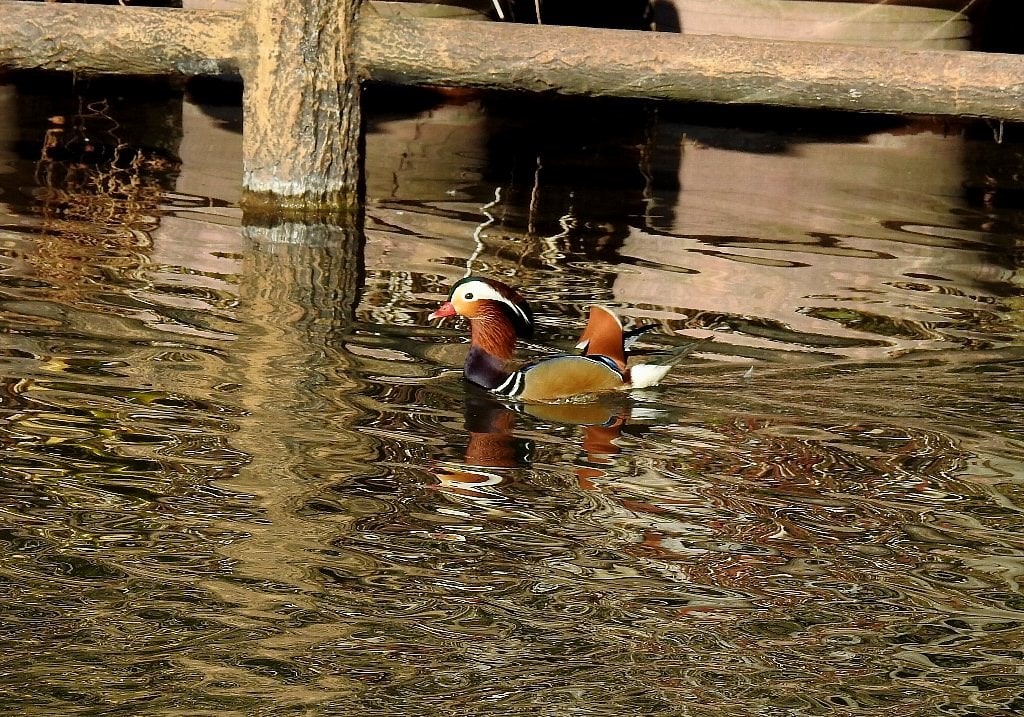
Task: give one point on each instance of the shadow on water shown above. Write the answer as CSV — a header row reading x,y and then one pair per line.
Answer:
x,y
242,475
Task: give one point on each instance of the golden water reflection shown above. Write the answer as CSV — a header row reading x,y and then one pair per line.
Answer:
x,y
243,475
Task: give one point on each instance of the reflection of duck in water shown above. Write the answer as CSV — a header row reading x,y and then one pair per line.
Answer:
x,y
494,443
498,315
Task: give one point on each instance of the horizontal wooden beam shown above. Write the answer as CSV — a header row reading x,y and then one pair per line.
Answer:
x,y
539,58
588,61
120,40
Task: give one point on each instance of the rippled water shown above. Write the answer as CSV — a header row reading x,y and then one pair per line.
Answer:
x,y
241,474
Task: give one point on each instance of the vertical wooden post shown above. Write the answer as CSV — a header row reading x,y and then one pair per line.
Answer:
x,y
302,119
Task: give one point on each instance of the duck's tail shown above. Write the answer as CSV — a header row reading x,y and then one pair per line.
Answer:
x,y
645,375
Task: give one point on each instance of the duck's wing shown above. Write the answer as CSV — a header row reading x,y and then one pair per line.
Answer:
x,y
603,336
568,376
630,337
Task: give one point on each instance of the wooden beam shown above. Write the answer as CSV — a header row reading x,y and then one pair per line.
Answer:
x,y
588,61
122,40
568,60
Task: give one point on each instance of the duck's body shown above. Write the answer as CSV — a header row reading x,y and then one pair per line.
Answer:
x,y
498,316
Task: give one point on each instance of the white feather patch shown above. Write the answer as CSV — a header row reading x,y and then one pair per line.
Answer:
x,y
473,290
645,375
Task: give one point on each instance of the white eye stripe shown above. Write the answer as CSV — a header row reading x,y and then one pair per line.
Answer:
x,y
475,290
479,290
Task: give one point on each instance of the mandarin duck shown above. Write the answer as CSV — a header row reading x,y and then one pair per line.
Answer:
x,y
498,316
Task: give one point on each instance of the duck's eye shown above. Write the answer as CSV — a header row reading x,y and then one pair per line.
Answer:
x,y
468,296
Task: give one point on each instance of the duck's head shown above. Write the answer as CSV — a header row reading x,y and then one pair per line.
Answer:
x,y
487,301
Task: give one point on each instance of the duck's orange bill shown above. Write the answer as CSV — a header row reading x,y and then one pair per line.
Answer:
x,y
443,311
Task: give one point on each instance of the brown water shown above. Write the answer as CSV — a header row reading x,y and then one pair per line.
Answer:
x,y
241,475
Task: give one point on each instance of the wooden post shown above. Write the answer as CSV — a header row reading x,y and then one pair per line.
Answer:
x,y
301,109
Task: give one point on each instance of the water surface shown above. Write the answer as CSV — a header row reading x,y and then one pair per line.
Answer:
x,y
242,475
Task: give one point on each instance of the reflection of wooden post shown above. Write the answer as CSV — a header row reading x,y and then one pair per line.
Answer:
x,y
299,290
301,107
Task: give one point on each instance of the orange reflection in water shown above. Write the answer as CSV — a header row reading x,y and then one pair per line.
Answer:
x,y
493,442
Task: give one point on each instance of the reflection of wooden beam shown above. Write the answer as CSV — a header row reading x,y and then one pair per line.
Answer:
x,y
545,58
